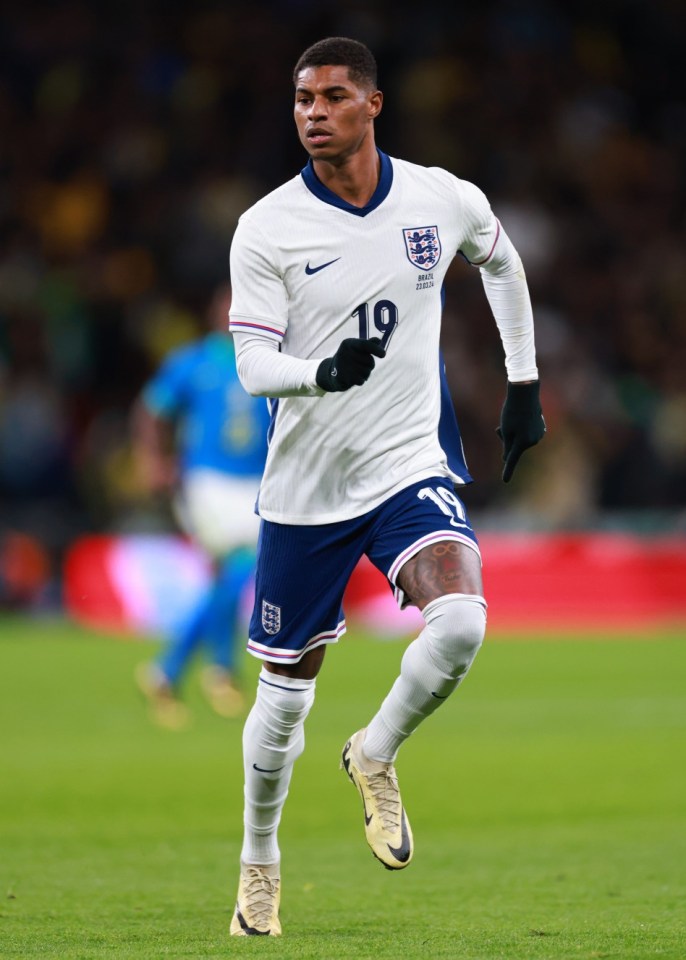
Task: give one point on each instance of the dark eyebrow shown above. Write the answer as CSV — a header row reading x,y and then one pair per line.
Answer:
x,y
333,89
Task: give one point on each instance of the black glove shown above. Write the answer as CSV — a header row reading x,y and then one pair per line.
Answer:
x,y
521,423
350,365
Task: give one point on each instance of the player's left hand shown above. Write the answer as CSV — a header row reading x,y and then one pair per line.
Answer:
x,y
521,423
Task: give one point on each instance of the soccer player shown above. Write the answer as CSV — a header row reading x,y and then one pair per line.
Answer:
x,y
337,278
202,439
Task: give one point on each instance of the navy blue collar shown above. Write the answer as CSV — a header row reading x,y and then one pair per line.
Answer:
x,y
314,184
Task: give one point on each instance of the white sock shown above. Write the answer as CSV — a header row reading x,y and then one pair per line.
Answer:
x,y
273,739
432,667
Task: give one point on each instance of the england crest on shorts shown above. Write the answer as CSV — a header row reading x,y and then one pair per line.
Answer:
x,y
271,618
423,246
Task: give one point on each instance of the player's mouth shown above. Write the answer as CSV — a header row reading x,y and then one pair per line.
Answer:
x,y
317,136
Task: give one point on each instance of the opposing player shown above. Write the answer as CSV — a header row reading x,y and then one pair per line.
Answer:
x,y
202,440
337,279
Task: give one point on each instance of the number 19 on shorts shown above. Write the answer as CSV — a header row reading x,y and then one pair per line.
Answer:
x,y
447,503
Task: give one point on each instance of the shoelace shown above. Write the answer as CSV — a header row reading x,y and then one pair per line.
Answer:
x,y
260,893
384,787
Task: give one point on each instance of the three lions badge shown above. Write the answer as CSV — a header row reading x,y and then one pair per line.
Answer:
x,y
271,618
423,246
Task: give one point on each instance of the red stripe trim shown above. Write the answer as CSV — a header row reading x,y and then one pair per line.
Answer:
x,y
292,654
426,541
478,263
255,326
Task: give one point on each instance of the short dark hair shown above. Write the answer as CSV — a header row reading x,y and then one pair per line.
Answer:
x,y
340,52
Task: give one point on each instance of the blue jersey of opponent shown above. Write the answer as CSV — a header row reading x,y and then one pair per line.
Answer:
x,y
220,426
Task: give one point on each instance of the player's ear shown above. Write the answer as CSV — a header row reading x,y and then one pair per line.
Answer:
x,y
375,104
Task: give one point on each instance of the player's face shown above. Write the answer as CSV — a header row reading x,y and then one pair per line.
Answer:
x,y
333,114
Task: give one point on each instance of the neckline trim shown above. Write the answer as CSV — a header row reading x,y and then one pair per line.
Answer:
x,y
322,192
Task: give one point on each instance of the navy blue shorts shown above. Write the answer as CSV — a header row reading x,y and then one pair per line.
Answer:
x,y
302,571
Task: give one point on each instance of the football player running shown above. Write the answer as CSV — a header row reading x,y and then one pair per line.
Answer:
x,y
337,299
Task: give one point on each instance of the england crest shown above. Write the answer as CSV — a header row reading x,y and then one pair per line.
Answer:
x,y
271,618
423,246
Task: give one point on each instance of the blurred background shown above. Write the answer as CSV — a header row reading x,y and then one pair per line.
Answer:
x,y
132,136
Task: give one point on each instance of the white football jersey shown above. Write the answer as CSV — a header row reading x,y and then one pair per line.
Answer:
x,y
309,269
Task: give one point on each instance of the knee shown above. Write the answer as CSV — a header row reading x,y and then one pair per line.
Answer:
x,y
283,704
455,629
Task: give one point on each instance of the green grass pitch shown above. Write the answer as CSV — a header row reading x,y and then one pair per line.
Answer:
x,y
548,801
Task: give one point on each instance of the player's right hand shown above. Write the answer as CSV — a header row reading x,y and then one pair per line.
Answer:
x,y
350,366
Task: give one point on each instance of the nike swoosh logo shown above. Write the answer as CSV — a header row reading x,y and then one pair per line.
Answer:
x,y
262,769
439,697
251,931
367,819
402,853
345,759
310,270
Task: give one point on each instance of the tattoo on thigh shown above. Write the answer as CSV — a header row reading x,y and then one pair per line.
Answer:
x,y
433,572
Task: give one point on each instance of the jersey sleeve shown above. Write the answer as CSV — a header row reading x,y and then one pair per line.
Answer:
x,y
259,302
507,291
481,228
165,394
265,372
487,246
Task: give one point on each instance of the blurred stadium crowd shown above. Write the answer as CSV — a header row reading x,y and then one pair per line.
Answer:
x,y
132,135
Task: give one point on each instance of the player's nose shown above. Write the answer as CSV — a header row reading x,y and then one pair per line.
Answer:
x,y
318,109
